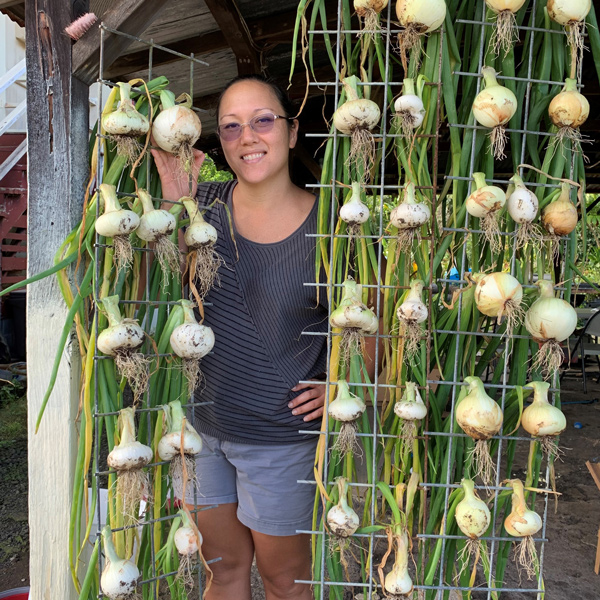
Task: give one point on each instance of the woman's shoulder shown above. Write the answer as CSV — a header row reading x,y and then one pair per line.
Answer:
x,y
209,191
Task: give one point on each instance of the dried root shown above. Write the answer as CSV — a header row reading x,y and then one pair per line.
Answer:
x,y
550,447
498,141
412,339
205,267
169,257
347,441
526,558
362,152
134,367
406,122
491,231
123,252
351,343
192,373
472,547
483,462
505,33
176,473
133,486
575,42
186,573
572,135
411,39
408,432
528,233
548,358
513,315
128,147
371,25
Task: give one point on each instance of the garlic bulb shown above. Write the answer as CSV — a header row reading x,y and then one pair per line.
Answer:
x,y
408,217
480,417
354,211
342,520
346,408
522,205
485,203
505,30
409,108
550,321
494,107
120,577
411,313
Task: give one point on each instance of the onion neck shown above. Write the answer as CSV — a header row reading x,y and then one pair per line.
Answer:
x,y
489,77
519,505
408,87
192,210
416,291
127,426
109,196
146,200
188,312
111,306
540,391
468,487
410,394
546,288
351,293
409,193
177,417
167,99
517,181
124,93
342,486
475,385
351,88
355,194
565,193
109,547
479,180
570,85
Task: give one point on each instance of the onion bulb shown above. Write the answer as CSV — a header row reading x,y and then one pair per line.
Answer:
x,y
187,540
368,11
177,128
542,420
203,261
411,313
120,340
417,18
357,117
120,577
128,459
346,408
522,205
398,582
342,520
480,417
523,523
569,110
179,444
473,519
499,295
550,321
409,109
410,409
494,107
157,225
571,15
505,30
191,341
485,203
354,211
560,217
408,217
125,125
117,223
354,318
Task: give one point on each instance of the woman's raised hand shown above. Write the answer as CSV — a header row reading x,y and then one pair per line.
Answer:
x,y
174,181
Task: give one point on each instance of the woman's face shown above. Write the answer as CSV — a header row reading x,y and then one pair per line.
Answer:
x,y
256,157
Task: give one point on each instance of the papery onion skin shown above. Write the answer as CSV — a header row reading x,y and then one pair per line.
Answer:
x,y
566,12
362,7
494,290
496,104
521,521
423,16
478,415
541,418
569,108
342,520
500,5
560,217
522,205
485,199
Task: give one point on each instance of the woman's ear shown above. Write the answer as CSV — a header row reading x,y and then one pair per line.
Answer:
x,y
294,133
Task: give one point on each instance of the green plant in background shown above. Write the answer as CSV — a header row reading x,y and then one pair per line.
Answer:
x,y
13,412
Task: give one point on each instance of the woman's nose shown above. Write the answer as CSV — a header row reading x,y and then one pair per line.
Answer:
x,y
248,134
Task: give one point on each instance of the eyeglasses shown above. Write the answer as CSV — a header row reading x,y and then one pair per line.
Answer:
x,y
259,124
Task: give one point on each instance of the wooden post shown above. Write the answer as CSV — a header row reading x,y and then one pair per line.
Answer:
x,y
57,123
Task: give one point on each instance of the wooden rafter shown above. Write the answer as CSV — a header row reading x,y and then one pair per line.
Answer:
x,y
127,16
236,33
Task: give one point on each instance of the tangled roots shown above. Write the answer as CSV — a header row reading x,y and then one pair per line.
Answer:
x,y
526,233
567,135
168,255
371,25
362,152
498,141
408,432
491,231
351,343
123,256
176,472
575,42
346,441
411,39
205,268
526,557
548,358
512,314
128,147
406,237
192,373
186,571
483,462
406,122
134,367
133,486
549,446
504,33
412,338
472,547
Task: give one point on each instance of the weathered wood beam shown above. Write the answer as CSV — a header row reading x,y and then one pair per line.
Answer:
x,y
57,134
236,33
127,16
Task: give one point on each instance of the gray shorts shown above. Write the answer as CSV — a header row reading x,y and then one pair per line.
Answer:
x,y
262,479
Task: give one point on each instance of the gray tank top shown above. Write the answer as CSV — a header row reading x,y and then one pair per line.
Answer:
x,y
258,314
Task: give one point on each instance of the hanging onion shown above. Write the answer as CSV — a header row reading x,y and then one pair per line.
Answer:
x,y
357,117
411,313
346,408
128,459
191,341
187,540
522,205
505,30
368,11
480,417
411,409
523,523
408,217
398,582
409,109
354,211
485,203
117,223
550,321
559,218
342,520
494,107
571,15
120,577
569,110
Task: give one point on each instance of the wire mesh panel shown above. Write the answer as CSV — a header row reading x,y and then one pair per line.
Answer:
x,y
402,483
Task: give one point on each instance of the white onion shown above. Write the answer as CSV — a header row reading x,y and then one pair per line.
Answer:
x,y
499,295
411,314
408,217
120,577
398,582
346,408
342,520
485,203
409,108
522,205
505,30
472,514
354,211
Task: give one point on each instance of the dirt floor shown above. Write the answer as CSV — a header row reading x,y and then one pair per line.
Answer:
x,y
568,561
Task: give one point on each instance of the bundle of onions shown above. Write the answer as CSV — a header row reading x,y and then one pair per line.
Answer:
x,y
342,520
120,340
354,318
203,261
116,223
542,420
354,211
411,313
571,15
179,444
411,409
125,125
505,31
473,519
523,523
485,203
368,11
494,107
357,117
187,540
560,217
346,408
398,582
522,205
409,109
156,225
120,577
569,110
417,18
129,459
480,418
191,341
499,295
550,321
408,217
177,128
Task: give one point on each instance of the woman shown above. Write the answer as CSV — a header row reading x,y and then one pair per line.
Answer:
x,y
253,452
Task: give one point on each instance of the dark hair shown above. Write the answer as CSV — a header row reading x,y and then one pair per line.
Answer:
x,y
282,97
